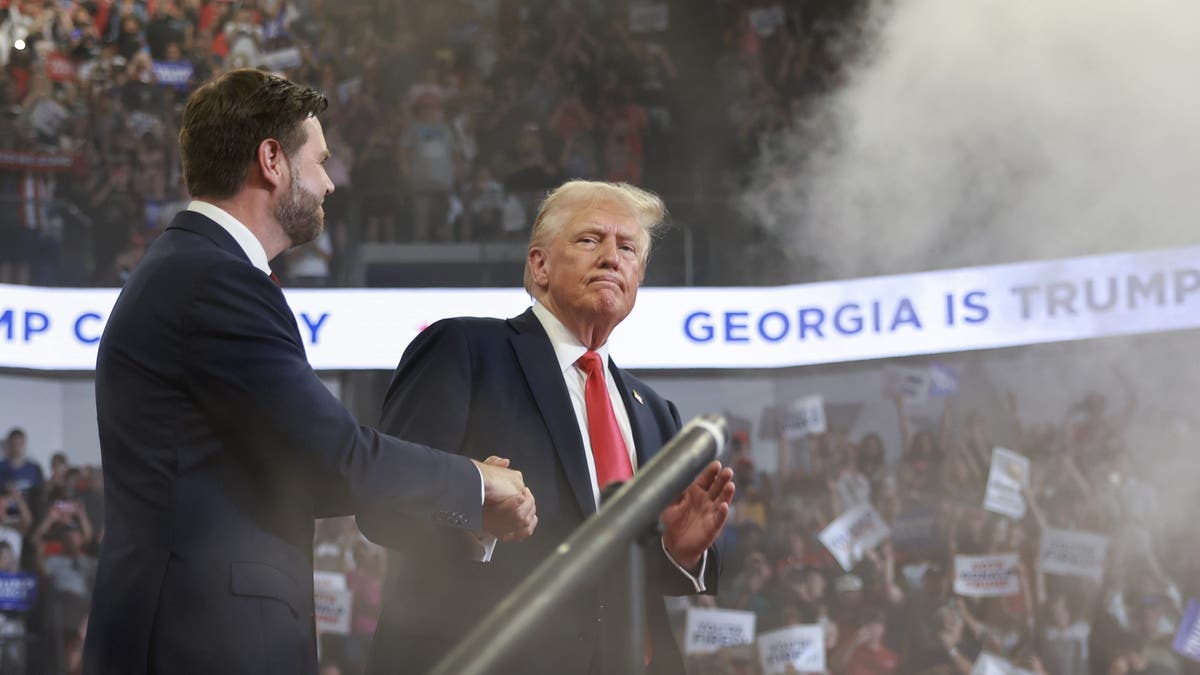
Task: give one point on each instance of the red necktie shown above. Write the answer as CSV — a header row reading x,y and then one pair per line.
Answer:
x,y
609,451
275,278
608,446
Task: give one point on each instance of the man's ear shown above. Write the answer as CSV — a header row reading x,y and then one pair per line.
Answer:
x,y
271,162
539,266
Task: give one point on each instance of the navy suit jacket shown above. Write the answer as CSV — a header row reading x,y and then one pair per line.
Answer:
x,y
219,447
484,387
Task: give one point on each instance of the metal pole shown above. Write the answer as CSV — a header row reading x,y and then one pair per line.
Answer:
x,y
590,550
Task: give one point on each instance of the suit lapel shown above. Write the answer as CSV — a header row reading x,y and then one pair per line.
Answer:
x,y
641,420
537,359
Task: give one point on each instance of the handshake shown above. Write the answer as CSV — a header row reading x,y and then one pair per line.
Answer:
x,y
509,511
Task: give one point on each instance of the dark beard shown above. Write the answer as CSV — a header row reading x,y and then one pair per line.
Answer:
x,y
300,214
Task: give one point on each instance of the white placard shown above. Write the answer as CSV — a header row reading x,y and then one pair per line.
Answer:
x,y
755,327
987,576
990,664
333,611
708,630
912,384
855,532
282,59
805,416
1073,553
329,581
802,647
1008,475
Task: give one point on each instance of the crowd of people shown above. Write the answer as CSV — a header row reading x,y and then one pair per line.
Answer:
x,y
448,121
50,535
895,610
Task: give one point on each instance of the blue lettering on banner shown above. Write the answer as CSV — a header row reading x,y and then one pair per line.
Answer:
x,y
773,326
783,323
730,326
36,322
87,339
314,325
32,323
706,329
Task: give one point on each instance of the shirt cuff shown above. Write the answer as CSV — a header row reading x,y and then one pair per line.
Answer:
x,y
697,581
482,489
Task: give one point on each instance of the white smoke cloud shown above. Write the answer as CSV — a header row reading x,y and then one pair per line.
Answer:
x,y
979,131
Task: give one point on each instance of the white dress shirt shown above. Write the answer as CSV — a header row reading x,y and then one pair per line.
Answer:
x,y
568,349
241,234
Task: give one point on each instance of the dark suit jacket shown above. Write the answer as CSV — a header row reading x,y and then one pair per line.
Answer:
x,y
220,446
483,387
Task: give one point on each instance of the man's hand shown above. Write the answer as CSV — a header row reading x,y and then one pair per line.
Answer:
x,y
693,521
509,510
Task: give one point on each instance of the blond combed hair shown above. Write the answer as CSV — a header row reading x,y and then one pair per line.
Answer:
x,y
569,200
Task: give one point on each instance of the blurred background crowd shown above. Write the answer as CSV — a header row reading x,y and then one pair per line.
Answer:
x,y
447,120
896,610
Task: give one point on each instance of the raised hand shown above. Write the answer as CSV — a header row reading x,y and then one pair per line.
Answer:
x,y
694,520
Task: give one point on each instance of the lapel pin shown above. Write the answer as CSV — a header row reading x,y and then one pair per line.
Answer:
x,y
638,397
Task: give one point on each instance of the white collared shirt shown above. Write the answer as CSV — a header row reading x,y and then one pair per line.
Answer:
x,y
241,234
568,349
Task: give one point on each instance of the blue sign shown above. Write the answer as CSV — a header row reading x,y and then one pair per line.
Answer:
x,y
17,591
1187,640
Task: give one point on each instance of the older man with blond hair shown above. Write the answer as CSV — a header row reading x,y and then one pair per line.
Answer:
x,y
542,390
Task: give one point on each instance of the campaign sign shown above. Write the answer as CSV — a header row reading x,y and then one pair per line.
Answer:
x,y
1187,640
801,647
18,591
708,630
986,576
175,74
806,416
855,532
1071,553
915,531
912,384
1009,474
943,381
333,611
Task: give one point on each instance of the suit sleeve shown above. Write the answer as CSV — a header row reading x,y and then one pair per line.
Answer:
x,y
248,371
428,401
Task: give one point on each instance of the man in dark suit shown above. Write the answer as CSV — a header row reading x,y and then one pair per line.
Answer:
x,y
541,388
219,443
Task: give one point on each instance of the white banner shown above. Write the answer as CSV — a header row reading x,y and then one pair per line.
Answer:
x,y
855,532
1072,553
986,576
708,630
1009,473
880,317
801,647
806,416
